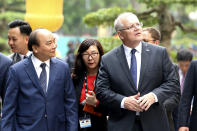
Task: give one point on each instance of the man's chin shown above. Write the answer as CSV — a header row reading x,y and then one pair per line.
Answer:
x,y
14,51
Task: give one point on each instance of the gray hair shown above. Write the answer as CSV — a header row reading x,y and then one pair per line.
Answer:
x,y
118,23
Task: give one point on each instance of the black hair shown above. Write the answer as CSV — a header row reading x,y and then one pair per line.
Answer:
x,y
33,40
184,55
24,27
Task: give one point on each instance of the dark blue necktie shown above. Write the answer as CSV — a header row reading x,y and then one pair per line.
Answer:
x,y
43,77
133,68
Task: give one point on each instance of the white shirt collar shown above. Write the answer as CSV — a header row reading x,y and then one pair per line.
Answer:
x,y
128,49
37,62
28,54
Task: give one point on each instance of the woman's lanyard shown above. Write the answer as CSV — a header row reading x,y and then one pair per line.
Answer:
x,y
86,85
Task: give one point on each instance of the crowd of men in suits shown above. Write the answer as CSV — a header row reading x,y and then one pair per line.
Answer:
x,y
133,83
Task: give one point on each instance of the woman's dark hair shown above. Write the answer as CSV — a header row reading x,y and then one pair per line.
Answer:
x,y
79,66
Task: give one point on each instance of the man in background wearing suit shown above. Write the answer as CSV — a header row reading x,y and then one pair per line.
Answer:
x,y
18,36
151,35
187,115
135,79
40,95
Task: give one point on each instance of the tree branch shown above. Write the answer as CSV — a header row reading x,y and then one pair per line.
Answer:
x,y
185,29
148,12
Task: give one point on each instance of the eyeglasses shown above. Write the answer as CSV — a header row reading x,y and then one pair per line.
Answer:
x,y
132,27
93,55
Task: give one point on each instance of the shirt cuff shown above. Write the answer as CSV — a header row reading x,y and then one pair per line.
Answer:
x,y
156,99
122,103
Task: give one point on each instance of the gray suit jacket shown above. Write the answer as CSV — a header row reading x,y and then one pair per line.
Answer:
x,y
114,82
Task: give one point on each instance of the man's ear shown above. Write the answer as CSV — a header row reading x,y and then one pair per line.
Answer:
x,y
35,48
26,39
120,35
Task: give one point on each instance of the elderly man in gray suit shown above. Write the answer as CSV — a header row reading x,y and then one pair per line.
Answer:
x,y
135,79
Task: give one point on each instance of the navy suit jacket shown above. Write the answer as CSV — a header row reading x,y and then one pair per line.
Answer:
x,y
114,82
189,91
28,108
5,63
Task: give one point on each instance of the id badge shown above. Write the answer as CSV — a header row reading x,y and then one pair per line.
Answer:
x,y
85,122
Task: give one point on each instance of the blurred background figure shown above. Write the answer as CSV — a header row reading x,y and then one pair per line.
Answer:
x,y
18,37
70,56
151,35
184,58
85,71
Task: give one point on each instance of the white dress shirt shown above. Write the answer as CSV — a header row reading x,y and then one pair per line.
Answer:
x,y
36,62
138,58
138,55
28,54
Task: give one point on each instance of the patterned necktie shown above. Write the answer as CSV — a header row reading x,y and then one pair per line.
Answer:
x,y
43,77
133,67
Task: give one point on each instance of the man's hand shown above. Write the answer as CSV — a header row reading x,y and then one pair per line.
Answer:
x,y
130,103
183,128
146,101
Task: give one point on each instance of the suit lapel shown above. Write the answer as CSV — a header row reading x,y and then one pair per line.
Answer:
x,y
123,62
29,68
52,74
144,62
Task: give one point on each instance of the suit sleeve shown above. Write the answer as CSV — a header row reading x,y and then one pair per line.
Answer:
x,y
4,78
105,95
186,98
170,85
172,102
70,104
10,102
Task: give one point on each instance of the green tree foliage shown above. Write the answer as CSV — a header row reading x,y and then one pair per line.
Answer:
x,y
109,43
155,12
75,10
104,16
9,10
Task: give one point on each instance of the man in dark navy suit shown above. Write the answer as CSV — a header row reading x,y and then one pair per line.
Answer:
x,y
40,95
5,63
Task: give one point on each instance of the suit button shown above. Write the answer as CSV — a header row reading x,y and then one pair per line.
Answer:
x,y
45,115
